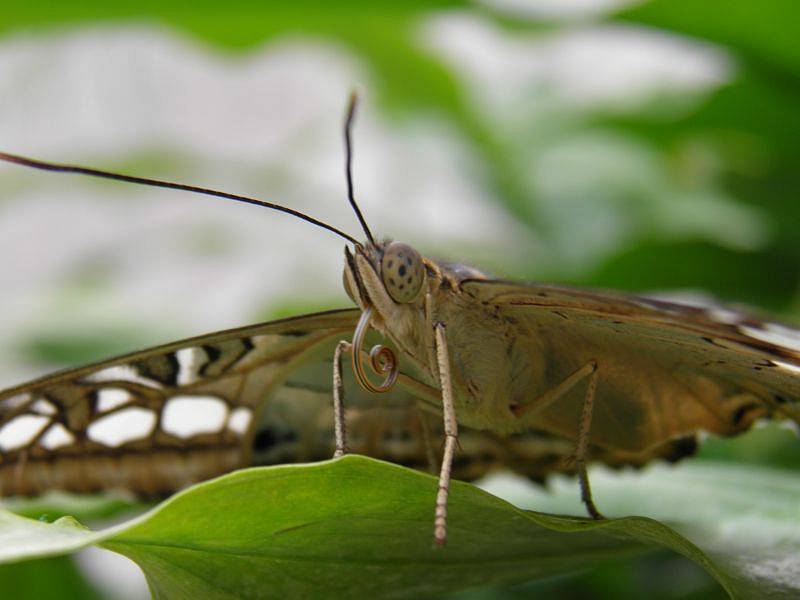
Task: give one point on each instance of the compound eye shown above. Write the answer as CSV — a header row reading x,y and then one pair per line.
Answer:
x,y
402,271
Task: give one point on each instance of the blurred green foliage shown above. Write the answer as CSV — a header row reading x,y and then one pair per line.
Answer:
x,y
753,126
750,125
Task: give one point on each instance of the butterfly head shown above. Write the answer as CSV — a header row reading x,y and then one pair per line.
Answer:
x,y
389,276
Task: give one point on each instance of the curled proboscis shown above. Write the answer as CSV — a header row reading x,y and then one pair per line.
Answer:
x,y
381,358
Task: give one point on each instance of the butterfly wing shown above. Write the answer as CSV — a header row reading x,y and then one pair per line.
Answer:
x,y
297,426
666,370
156,420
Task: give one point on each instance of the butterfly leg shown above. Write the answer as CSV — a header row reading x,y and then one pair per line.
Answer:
x,y
340,433
529,412
450,435
582,445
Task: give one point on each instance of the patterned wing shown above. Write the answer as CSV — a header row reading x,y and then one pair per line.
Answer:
x,y
667,371
154,421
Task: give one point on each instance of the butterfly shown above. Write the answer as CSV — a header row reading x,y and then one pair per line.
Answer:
x,y
533,377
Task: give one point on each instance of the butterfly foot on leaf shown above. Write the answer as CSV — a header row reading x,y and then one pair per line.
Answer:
x,y
594,514
586,491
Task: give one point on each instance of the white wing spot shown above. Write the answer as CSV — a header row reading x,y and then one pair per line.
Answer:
x,y
190,360
121,427
120,373
787,366
21,431
724,315
772,333
56,437
110,398
268,340
185,416
16,401
43,407
239,420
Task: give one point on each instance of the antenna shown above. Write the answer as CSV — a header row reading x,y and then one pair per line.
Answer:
x,y
59,168
348,170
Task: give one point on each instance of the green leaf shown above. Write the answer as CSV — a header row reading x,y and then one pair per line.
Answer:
x,y
358,527
55,578
354,527
25,538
